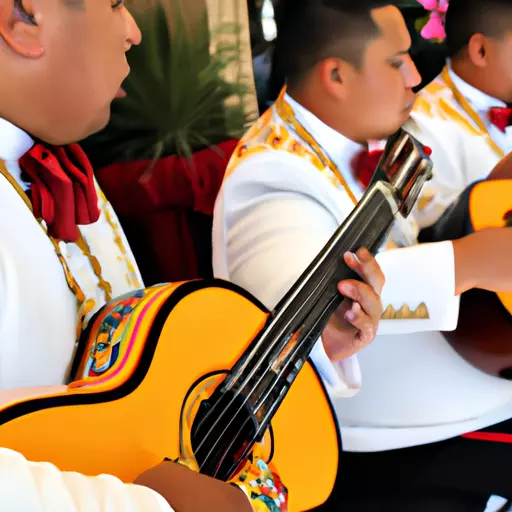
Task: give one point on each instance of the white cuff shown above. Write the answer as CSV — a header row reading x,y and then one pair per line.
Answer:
x,y
341,378
420,275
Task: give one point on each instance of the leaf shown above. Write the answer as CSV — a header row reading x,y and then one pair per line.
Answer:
x,y
178,100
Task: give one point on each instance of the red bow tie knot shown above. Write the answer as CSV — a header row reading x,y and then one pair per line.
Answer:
x,y
364,164
62,191
501,117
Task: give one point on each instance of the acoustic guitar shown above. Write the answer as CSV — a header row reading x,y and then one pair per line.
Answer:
x,y
201,373
484,332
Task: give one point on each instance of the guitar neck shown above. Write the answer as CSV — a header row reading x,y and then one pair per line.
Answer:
x,y
271,364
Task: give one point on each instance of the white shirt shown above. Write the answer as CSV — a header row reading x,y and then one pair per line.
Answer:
x,y
38,319
273,215
40,487
38,311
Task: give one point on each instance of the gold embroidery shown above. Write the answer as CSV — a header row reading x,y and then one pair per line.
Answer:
x,y
463,102
423,106
405,313
70,280
287,114
104,285
424,201
434,87
454,115
131,277
278,137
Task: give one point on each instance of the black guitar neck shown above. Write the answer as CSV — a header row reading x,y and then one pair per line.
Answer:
x,y
260,380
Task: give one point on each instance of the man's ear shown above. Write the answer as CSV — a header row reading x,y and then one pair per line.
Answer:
x,y
478,50
332,76
20,28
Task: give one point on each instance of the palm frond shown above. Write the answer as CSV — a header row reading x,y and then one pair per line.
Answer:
x,y
178,99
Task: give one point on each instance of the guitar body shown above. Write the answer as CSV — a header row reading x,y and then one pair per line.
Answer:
x,y
484,333
175,343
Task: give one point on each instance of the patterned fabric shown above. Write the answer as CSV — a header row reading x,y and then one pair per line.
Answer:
x,y
278,130
110,352
262,485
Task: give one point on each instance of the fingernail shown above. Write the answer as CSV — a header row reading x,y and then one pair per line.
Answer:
x,y
350,316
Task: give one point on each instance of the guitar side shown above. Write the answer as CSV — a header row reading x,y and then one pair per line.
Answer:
x,y
197,329
484,344
490,206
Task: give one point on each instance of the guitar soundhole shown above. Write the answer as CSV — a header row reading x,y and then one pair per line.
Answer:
x,y
221,432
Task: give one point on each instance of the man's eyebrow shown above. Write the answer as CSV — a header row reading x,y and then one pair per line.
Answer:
x,y
401,52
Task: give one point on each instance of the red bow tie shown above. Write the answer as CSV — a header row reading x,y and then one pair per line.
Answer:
x,y
364,164
62,189
501,117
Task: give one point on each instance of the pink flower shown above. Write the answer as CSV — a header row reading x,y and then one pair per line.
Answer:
x,y
434,29
443,6
429,5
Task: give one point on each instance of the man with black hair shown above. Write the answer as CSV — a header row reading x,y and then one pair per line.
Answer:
x,y
289,185
63,254
465,114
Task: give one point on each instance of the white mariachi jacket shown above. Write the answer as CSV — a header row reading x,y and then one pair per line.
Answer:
x,y
34,486
450,116
39,313
279,205
38,328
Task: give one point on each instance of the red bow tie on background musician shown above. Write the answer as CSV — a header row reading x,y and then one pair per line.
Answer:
x,y
62,189
363,165
501,117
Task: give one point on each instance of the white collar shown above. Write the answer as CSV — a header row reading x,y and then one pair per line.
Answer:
x,y
479,100
14,142
339,148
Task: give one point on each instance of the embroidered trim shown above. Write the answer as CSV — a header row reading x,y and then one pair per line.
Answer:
x,y
281,137
285,111
83,306
463,102
405,313
131,277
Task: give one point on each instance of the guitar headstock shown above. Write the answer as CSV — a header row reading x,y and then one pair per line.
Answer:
x,y
406,165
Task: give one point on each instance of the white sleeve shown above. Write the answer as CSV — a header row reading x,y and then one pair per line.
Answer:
x,y
41,487
271,221
267,229
419,294
270,246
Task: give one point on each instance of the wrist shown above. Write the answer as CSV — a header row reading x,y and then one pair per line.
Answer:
x,y
465,254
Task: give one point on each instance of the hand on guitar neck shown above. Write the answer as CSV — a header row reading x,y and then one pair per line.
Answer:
x,y
354,324
188,491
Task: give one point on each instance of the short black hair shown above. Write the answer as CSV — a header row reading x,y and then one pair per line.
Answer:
x,y
465,18
310,31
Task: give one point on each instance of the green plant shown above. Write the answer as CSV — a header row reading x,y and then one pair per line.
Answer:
x,y
178,100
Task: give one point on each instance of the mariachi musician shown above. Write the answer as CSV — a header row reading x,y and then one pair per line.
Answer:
x,y
63,254
290,184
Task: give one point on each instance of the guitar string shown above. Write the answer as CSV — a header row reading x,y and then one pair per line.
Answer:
x,y
291,361
262,357
238,393
251,374
289,117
